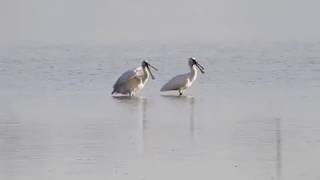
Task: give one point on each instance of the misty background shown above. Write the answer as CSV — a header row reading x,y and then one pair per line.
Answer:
x,y
253,115
110,21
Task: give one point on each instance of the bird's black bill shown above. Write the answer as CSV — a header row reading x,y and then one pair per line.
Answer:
x,y
201,68
153,67
150,72
148,66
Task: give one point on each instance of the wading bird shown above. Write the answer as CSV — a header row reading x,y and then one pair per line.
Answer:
x,y
132,81
183,81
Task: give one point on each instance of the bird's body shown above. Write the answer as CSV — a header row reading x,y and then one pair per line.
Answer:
x,y
132,81
183,81
180,82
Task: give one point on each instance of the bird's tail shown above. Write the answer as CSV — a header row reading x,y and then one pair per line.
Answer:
x,y
113,91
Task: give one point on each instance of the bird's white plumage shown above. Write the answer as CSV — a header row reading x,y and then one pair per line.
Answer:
x,y
131,81
181,82
176,83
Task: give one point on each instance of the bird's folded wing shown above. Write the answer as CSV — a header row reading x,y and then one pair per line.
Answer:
x,y
125,77
175,83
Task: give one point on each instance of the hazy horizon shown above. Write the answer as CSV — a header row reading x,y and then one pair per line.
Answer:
x,y
158,21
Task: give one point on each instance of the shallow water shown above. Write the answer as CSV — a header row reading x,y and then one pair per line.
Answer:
x,y
253,115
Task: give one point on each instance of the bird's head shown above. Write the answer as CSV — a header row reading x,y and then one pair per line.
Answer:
x,y
147,65
193,62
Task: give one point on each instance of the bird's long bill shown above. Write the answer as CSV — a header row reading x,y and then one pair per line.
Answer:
x,y
153,67
201,68
150,72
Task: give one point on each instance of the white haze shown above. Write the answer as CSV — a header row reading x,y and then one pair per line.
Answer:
x,y
110,21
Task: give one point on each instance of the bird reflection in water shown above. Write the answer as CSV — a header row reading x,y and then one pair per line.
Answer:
x,y
187,101
278,148
142,125
192,125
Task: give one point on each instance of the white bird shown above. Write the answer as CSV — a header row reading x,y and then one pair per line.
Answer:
x,y
183,81
132,81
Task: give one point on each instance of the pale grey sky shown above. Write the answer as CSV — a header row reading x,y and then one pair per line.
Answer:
x,y
158,20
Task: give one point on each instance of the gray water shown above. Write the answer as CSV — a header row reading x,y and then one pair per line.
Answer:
x,y
254,114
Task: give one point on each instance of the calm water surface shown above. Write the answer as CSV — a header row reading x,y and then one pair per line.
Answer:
x,y
253,115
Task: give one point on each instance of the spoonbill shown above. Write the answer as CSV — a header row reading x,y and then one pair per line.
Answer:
x,y
183,81
132,81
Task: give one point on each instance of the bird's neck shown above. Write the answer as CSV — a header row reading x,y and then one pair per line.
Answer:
x,y
193,73
145,74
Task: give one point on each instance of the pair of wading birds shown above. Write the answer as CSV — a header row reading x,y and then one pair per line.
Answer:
x,y
133,81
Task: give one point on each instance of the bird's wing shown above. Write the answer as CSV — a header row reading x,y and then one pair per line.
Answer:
x,y
126,76
176,83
